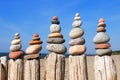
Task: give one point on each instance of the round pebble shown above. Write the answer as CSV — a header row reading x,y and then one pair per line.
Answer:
x,y
76,33
57,48
102,24
17,34
55,22
15,47
55,28
55,40
35,42
101,37
101,29
102,46
102,52
77,41
36,35
101,20
17,37
33,49
16,41
77,18
77,15
77,49
55,35
55,18
77,23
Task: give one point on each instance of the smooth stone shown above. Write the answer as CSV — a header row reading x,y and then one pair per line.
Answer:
x,y
35,38
57,48
101,37
36,35
77,18
55,28
35,42
77,15
16,54
17,37
31,56
101,29
102,52
77,23
101,24
33,49
77,41
102,46
55,22
76,33
101,20
77,49
55,40
17,34
15,47
55,35
55,18
16,41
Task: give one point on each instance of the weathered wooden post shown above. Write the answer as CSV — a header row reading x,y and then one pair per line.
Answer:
x,y
77,58
31,60
15,64
3,68
104,65
55,61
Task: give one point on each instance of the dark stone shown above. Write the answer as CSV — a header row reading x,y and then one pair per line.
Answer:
x,y
55,22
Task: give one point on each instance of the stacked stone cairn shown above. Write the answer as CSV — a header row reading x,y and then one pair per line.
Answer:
x,y
101,40
55,39
77,42
33,50
15,48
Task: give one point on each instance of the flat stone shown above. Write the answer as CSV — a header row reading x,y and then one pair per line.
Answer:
x,y
57,48
77,15
76,33
17,37
102,52
31,56
36,35
17,34
55,18
101,29
77,23
55,28
77,49
35,38
101,37
16,41
16,54
15,47
101,20
55,22
102,24
33,49
35,42
102,46
77,18
55,35
77,41
55,40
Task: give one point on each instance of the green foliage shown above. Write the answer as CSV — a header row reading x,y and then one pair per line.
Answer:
x,y
116,52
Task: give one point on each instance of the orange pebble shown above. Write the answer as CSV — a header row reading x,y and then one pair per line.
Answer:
x,y
55,18
101,20
36,35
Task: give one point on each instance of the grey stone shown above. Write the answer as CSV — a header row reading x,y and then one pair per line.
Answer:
x,y
55,22
76,33
77,23
102,52
15,47
101,37
55,40
57,48
55,28
77,41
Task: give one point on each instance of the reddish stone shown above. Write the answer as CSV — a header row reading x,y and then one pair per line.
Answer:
x,y
55,18
36,35
101,20
35,42
101,29
16,54
102,46
32,56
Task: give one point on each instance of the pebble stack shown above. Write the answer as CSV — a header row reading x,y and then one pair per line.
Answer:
x,y
77,42
101,40
15,48
33,50
55,39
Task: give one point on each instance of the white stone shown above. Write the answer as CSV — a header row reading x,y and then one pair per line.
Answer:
x,y
77,23
55,28
16,41
15,47
17,34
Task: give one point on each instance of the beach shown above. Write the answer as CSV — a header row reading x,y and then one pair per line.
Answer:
x,y
90,67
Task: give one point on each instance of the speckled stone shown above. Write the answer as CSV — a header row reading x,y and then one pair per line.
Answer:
x,y
77,41
57,48
15,47
101,37
77,23
55,28
32,56
55,40
76,33
102,46
55,35
102,52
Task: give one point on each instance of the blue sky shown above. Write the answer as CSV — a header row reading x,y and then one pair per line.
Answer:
x,y
34,16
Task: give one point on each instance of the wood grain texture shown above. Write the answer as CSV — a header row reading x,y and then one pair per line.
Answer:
x,y
54,67
32,69
105,68
77,67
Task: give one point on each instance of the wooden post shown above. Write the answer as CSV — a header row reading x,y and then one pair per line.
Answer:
x,y
105,68
54,67
77,67
3,68
31,69
15,69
